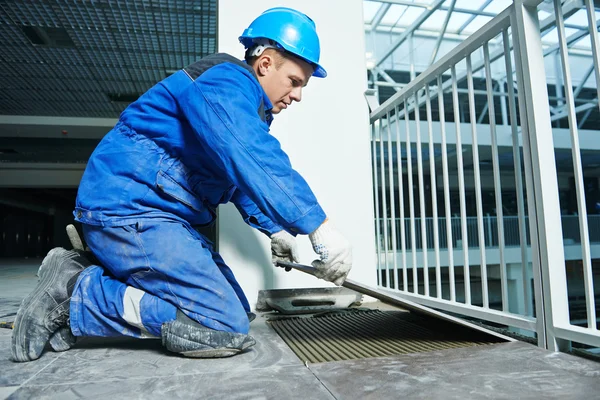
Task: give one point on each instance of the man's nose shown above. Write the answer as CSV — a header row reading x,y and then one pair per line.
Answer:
x,y
296,94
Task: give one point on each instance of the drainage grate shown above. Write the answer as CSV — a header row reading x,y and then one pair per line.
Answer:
x,y
371,333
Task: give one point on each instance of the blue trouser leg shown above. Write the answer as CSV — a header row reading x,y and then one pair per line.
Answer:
x,y
171,265
228,274
103,306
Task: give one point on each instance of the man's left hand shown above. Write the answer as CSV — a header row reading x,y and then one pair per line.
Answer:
x,y
283,248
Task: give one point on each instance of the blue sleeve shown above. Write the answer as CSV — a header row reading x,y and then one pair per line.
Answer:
x,y
252,214
222,109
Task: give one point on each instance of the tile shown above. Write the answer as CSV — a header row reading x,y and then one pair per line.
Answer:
x,y
19,276
123,358
9,308
291,382
13,373
7,391
18,279
508,370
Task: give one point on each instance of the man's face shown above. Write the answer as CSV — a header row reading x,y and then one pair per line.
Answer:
x,y
284,84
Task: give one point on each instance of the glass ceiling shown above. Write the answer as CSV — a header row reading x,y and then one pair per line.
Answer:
x,y
468,16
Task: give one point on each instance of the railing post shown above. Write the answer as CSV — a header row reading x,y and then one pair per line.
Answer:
x,y
540,172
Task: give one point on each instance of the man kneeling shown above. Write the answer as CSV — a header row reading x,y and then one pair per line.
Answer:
x,y
197,139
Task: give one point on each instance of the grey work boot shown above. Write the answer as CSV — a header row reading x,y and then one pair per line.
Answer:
x,y
190,339
46,309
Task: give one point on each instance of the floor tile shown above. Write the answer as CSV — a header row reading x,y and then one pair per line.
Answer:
x,y
502,371
288,383
13,373
7,391
122,358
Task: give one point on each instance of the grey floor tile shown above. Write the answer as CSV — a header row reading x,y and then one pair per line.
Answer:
x,y
97,358
17,279
502,371
9,307
18,276
7,391
291,382
12,373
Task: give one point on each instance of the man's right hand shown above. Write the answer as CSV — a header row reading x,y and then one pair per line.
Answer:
x,y
335,254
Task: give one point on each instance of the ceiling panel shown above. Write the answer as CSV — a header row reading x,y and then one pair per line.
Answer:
x,y
71,58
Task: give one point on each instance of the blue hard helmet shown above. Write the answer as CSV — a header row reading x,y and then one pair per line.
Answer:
x,y
294,31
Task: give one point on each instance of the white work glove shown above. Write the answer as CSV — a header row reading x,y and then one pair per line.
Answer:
x,y
335,254
283,248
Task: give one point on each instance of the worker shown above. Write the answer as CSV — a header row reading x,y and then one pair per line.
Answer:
x,y
197,139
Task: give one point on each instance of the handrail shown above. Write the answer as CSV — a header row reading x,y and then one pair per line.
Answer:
x,y
475,41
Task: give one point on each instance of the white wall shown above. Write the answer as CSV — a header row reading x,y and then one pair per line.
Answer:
x,y
327,139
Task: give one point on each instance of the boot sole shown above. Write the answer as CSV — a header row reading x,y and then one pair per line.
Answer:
x,y
211,352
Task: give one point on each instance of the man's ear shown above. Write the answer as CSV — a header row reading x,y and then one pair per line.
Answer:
x,y
264,64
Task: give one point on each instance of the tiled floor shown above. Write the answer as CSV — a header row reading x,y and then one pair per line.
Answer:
x,y
127,368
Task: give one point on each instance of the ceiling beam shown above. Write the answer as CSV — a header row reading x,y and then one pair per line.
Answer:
x,y
40,175
472,17
383,9
54,127
422,18
442,33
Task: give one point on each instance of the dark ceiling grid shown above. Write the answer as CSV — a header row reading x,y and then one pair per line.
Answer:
x,y
29,14
74,19
16,82
115,29
119,49
148,53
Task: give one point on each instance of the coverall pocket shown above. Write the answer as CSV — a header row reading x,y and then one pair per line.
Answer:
x,y
175,188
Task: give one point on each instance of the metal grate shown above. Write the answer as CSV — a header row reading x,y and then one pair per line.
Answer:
x,y
117,47
371,333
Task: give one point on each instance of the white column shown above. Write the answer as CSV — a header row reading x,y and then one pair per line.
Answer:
x,y
540,172
327,139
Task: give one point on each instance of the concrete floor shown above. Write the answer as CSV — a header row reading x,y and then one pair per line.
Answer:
x,y
128,368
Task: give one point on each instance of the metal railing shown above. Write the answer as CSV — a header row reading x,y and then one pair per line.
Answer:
x,y
398,137
570,229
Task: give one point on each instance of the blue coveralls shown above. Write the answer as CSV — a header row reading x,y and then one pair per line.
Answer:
x,y
195,140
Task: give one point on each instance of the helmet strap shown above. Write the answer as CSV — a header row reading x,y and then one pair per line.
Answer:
x,y
260,45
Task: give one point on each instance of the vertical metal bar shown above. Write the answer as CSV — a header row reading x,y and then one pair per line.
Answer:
x,y
589,5
384,203
422,213
461,188
558,84
411,55
518,171
376,190
392,207
411,203
497,181
401,195
447,210
434,206
578,169
488,225
540,177
503,101
477,175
